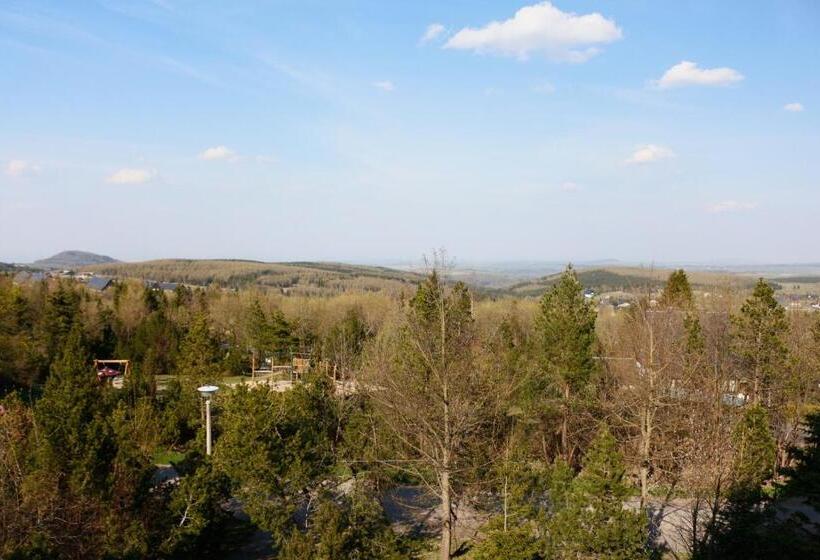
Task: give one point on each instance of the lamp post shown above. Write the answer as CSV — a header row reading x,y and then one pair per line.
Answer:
x,y
207,392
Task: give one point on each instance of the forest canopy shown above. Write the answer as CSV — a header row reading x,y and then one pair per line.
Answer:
x,y
424,420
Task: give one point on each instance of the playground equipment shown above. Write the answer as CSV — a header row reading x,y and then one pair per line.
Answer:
x,y
113,371
261,364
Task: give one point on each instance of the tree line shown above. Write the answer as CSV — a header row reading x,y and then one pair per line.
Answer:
x,y
564,432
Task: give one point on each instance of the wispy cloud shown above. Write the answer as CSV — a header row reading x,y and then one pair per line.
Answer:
x,y
433,32
794,107
649,153
19,167
730,206
687,73
218,153
384,85
569,186
130,176
541,28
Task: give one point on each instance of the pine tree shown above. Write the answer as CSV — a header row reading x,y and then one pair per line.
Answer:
x,y
347,527
754,451
758,337
677,292
198,364
593,523
566,336
62,309
198,356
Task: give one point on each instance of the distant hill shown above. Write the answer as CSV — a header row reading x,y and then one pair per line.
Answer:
x,y
72,260
629,278
308,278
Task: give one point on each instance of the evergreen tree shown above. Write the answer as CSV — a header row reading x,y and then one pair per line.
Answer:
x,y
754,451
750,526
198,359
565,330
758,335
349,527
86,455
273,446
196,516
677,292
517,543
62,309
198,364
593,523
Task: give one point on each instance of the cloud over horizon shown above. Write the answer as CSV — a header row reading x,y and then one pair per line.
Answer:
x,y
687,73
541,28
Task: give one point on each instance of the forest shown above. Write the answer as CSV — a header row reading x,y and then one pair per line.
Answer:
x,y
683,425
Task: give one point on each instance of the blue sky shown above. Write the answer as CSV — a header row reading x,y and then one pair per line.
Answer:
x,y
376,131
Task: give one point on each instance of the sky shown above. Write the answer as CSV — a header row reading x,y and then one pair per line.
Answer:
x,y
380,131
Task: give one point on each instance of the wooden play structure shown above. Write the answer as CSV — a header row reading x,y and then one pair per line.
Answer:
x,y
263,365
300,364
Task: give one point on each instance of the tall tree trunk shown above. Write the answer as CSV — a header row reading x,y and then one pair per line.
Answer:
x,y
564,427
644,455
446,517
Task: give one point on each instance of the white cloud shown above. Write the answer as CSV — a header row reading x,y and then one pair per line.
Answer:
x,y
794,107
649,153
730,206
569,186
384,85
433,31
19,167
127,176
218,152
540,28
688,73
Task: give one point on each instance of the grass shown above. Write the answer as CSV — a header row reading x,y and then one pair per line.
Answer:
x,y
167,456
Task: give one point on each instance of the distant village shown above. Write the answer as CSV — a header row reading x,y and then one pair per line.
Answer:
x,y
90,279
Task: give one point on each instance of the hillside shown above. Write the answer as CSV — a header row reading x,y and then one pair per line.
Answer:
x,y
72,260
296,277
630,278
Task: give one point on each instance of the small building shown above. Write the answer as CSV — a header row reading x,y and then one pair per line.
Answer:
x,y
161,286
100,283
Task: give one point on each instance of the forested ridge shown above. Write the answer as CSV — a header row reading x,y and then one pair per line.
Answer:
x,y
536,428
306,278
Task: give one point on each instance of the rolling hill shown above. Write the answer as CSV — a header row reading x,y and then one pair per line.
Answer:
x,y
72,260
630,278
308,278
